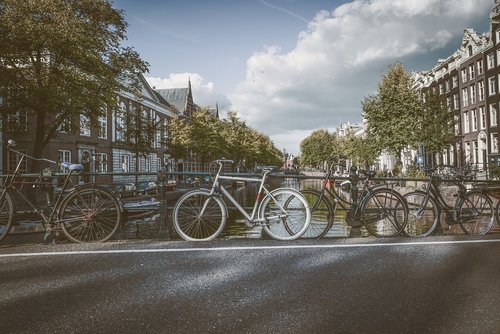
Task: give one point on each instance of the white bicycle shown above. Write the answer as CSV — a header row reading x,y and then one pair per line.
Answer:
x,y
201,214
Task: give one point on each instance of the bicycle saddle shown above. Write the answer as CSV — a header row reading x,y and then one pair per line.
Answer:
x,y
72,167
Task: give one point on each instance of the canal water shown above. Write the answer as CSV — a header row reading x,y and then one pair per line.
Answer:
x,y
246,194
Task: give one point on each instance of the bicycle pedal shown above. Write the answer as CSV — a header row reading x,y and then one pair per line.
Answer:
x,y
244,221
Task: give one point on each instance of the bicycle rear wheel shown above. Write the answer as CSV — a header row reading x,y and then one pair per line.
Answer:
x,y
476,213
286,214
90,214
384,212
321,214
423,214
190,224
6,214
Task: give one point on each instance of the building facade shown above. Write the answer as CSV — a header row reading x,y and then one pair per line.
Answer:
x,y
468,82
104,148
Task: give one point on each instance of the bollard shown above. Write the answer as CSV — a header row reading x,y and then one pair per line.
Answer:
x,y
164,231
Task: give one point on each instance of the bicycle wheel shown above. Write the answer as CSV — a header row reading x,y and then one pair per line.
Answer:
x,y
286,214
89,214
321,214
476,213
384,212
423,214
6,214
191,224
497,213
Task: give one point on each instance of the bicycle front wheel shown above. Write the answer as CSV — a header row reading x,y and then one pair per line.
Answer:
x,y
476,213
384,213
199,216
286,214
321,214
90,214
423,214
6,214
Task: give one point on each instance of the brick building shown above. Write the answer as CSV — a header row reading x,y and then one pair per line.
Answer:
x,y
468,82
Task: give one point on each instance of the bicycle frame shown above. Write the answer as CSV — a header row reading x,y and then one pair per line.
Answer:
x,y
254,216
8,186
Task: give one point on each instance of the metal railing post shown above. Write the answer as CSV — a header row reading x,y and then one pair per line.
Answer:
x,y
164,230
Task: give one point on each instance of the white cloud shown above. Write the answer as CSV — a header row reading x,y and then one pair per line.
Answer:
x,y
338,60
204,93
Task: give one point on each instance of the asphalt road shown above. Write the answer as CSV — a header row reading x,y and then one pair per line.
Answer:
x,y
401,285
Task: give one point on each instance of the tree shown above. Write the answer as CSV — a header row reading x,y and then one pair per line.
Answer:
x,y
392,113
435,124
205,132
362,151
61,59
318,148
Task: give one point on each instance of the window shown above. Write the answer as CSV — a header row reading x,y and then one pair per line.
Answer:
x,y
457,124
448,103
465,97
147,164
470,50
490,58
121,126
467,152
494,143
492,86
473,94
471,72
18,121
441,88
464,75
456,101
480,85
480,67
493,115
482,113
13,160
454,81
475,150
498,55
84,125
64,156
165,128
447,85
101,162
125,161
466,122
103,127
65,125
474,120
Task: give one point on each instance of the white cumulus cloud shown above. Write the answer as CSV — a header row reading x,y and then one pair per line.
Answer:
x,y
338,60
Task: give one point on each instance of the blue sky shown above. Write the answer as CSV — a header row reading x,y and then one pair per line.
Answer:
x,y
289,67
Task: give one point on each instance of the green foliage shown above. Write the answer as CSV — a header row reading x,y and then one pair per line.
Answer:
x,y
61,58
494,171
435,124
318,148
391,113
399,117
362,151
211,138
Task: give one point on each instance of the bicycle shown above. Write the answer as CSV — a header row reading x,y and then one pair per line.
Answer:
x,y
84,213
201,214
381,210
472,210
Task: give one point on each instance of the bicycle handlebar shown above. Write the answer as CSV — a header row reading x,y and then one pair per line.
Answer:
x,y
30,157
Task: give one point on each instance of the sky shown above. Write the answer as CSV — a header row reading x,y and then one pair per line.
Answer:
x,y
289,67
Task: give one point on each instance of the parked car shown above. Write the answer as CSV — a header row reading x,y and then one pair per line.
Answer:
x,y
146,188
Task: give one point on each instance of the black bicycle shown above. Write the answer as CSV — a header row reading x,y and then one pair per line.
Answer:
x,y
380,209
472,210
84,213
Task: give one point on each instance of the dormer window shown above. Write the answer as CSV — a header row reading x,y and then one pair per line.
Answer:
x,y
469,49
497,36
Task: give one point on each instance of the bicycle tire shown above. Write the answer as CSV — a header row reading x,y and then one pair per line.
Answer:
x,y
497,213
90,214
321,214
384,212
422,221
6,214
192,226
476,213
286,214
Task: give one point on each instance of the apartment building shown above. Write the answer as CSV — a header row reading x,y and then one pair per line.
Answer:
x,y
468,82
